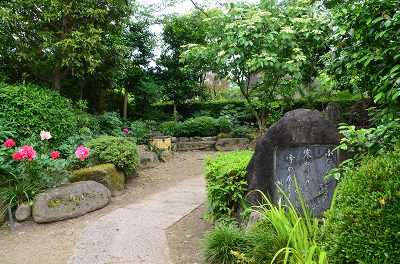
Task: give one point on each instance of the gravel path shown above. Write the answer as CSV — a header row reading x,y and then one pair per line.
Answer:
x,y
130,229
136,233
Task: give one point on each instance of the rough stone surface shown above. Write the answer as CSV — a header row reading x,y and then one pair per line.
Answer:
x,y
23,212
229,144
182,139
69,201
334,113
301,127
195,145
174,139
142,148
195,139
208,138
3,211
148,159
106,174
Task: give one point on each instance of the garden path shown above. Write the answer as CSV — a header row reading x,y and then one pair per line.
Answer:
x,y
136,233
134,226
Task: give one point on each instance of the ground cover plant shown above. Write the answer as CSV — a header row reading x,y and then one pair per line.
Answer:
x,y
226,183
283,235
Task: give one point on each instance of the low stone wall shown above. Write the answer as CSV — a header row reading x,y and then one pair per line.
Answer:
x,y
212,143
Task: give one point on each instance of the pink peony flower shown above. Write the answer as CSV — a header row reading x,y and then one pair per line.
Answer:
x,y
28,152
9,143
55,155
45,135
125,130
18,156
81,153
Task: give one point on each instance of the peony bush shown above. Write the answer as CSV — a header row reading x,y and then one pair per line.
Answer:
x,y
29,169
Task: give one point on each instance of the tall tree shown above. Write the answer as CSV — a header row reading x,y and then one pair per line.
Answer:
x,y
61,36
258,47
180,84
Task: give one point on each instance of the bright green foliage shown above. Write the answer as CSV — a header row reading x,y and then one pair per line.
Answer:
x,y
200,126
120,151
362,225
226,183
257,47
28,109
366,54
221,242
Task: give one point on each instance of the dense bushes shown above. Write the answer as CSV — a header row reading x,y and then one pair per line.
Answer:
x,y
226,183
205,126
362,226
28,109
119,151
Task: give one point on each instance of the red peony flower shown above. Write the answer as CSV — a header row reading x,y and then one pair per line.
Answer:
x,y
18,156
28,152
55,155
125,130
9,143
81,153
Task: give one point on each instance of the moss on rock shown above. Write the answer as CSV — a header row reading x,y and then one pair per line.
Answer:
x,y
106,174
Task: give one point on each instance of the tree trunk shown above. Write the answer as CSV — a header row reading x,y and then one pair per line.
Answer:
x,y
56,76
253,110
125,110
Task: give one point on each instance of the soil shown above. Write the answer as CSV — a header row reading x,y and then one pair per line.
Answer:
x,y
54,242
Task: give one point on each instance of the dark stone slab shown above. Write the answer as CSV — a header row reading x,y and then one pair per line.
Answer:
x,y
183,146
299,128
307,165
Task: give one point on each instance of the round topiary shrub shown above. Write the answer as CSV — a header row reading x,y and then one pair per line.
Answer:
x,y
119,151
363,225
28,109
200,126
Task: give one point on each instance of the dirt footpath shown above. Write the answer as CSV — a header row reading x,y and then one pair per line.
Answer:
x,y
54,242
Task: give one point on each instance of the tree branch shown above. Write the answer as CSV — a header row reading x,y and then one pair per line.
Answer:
x,y
199,8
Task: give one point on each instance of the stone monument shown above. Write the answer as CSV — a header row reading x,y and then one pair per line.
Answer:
x,y
297,147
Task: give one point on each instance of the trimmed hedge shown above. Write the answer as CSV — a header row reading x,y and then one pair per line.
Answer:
x,y
363,224
28,109
226,182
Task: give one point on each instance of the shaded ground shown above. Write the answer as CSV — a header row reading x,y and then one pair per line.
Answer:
x,y
184,238
54,242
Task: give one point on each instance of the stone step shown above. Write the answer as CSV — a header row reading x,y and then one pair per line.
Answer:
x,y
195,145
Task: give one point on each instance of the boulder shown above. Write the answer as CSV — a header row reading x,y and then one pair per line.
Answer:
x,y
229,144
23,212
106,174
148,159
3,210
300,145
69,201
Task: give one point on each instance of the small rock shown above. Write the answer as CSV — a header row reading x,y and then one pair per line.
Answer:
x,y
69,201
148,159
23,212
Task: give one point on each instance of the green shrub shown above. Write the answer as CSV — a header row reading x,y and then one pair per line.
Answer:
x,y
110,124
226,182
226,123
170,128
28,109
120,151
200,126
223,243
241,132
140,131
363,224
